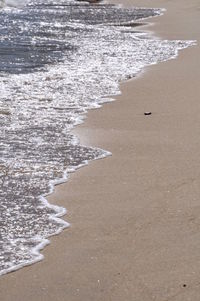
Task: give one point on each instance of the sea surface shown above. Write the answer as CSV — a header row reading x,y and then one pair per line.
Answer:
x,y
58,59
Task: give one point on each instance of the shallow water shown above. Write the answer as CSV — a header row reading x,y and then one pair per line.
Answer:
x,y
58,59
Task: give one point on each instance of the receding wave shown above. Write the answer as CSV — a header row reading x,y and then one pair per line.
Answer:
x,y
58,59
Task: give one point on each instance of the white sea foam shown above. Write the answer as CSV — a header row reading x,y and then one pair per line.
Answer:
x,y
13,3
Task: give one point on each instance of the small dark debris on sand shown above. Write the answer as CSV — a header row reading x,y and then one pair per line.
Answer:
x,y
147,113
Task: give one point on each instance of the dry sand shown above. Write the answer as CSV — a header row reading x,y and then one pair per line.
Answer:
x,y
135,216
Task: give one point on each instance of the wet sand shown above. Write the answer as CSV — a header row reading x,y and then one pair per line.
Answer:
x,y
135,216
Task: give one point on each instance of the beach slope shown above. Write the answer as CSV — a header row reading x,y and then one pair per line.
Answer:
x,y
135,216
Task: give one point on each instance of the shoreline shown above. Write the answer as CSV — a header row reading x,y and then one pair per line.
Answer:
x,y
115,249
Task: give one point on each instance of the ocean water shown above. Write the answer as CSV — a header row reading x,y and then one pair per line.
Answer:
x,y
58,59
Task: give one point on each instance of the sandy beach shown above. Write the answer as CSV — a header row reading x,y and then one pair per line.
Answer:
x,y
135,216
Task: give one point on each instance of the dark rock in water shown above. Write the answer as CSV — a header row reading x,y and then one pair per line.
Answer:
x,y
147,113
